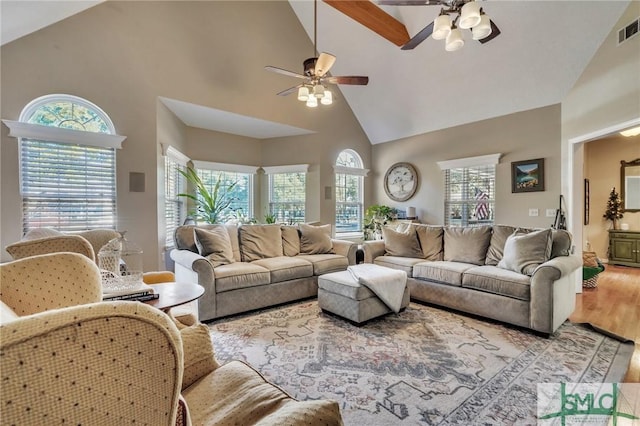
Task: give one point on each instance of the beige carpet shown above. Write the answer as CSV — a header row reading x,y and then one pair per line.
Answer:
x,y
423,366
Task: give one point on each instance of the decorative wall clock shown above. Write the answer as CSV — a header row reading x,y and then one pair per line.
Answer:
x,y
401,181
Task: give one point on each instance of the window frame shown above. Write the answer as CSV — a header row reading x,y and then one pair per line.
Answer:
x,y
342,171
272,172
174,160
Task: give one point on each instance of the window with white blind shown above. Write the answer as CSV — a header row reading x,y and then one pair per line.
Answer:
x,y
241,206
349,192
67,164
470,191
287,193
174,184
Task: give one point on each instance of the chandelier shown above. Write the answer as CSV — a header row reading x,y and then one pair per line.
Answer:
x,y
470,16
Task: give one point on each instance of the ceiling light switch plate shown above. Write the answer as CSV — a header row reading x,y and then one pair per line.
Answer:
x,y
533,212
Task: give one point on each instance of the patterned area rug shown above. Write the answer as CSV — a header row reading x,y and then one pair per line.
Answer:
x,y
423,366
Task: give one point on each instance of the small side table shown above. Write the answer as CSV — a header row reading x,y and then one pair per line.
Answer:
x,y
174,294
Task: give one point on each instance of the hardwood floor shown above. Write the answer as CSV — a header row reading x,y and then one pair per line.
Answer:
x,y
614,305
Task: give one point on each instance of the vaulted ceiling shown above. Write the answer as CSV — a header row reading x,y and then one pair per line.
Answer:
x,y
543,49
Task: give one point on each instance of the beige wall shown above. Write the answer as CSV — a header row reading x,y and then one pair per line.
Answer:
x,y
602,168
521,136
606,95
124,55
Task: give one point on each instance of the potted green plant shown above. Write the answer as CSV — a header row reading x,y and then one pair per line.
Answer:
x,y
209,205
375,217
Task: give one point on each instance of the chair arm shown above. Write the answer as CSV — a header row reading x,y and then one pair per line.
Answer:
x,y
54,244
372,249
124,360
49,281
345,248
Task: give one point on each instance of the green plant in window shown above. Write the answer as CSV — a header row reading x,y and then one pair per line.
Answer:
x,y
270,218
209,205
375,217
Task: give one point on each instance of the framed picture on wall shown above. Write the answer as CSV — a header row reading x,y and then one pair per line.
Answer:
x,y
586,201
527,176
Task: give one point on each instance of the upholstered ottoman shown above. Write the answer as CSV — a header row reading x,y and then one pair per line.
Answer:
x,y
340,294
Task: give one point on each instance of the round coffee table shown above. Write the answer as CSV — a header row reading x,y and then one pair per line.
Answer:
x,y
174,294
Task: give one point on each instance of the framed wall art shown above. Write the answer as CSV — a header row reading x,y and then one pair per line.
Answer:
x,y
527,176
586,201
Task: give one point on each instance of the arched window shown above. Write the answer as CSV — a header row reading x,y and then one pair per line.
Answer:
x,y
350,175
67,164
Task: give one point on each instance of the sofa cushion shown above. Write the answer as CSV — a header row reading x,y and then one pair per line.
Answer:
x,y
184,239
214,244
199,359
497,281
290,240
525,251
466,245
403,244
236,394
284,268
431,241
240,275
396,262
344,284
315,239
442,271
260,242
499,235
325,263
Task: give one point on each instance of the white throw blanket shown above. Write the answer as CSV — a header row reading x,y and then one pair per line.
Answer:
x,y
386,283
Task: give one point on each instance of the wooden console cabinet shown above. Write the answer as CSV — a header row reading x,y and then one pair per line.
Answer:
x,y
624,248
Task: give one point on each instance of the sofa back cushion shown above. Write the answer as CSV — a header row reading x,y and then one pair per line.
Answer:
x,y
260,242
184,239
214,244
499,235
431,240
561,243
525,250
290,240
404,244
467,245
315,239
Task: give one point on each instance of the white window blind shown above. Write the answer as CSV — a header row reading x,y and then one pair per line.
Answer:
x,y
173,205
287,194
470,195
242,192
66,186
349,191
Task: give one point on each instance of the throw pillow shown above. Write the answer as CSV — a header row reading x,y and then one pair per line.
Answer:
x,y
525,251
561,245
315,239
499,235
431,241
467,245
199,358
404,244
260,242
290,240
214,244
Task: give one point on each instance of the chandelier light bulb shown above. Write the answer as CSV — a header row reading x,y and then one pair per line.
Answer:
x,y
327,99
483,29
303,94
312,102
454,40
318,90
469,15
441,27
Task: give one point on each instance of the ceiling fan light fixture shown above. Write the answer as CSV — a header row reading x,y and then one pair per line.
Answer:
x,y
312,102
327,99
318,90
454,40
483,29
303,93
441,27
469,15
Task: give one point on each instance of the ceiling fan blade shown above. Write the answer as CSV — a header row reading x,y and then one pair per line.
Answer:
x,y
348,79
410,2
283,71
290,90
374,18
324,63
495,32
419,38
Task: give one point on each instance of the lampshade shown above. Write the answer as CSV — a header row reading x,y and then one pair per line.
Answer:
x,y
303,94
318,90
454,40
483,29
327,99
469,15
312,102
441,27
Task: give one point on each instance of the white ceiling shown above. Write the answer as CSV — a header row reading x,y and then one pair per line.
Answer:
x,y
543,49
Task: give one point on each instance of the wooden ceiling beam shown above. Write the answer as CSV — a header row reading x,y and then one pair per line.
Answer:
x,y
371,16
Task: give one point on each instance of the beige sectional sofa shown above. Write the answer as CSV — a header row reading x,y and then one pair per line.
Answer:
x,y
520,276
254,266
